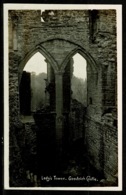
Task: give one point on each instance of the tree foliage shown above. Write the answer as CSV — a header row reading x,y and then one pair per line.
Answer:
x,y
79,90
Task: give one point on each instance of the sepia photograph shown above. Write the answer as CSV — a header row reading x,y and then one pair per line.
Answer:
x,y
63,98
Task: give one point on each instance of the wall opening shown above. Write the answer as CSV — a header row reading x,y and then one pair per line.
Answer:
x,y
74,99
79,79
33,85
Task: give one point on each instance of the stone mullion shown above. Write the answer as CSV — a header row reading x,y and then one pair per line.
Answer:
x,y
59,110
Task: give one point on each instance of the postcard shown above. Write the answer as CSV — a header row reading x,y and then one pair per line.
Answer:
x,y
63,97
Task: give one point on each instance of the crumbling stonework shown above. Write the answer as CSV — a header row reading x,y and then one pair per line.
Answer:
x,y
62,34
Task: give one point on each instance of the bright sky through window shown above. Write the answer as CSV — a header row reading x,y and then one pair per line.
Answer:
x,y
79,66
36,64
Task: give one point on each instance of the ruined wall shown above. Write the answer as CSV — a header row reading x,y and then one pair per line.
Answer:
x,y
110,152
102,143
59,36
23,150
79,28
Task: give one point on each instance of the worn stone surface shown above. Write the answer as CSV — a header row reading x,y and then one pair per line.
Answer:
x,y
92,33
102,144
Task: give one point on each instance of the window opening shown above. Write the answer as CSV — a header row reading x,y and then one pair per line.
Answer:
x,y
79,79
33,84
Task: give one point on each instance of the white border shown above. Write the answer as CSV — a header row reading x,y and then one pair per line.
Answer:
x,y
6,89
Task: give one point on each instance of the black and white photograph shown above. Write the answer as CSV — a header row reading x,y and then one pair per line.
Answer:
x,y
63,98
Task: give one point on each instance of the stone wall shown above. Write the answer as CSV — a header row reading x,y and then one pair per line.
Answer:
x,y
23,152
102,143
16,164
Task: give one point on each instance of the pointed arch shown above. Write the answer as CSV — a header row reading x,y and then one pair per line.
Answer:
x,y
85,55
41,50
79,49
